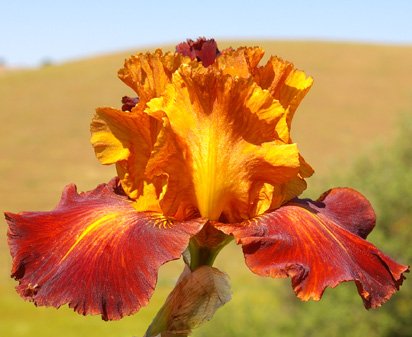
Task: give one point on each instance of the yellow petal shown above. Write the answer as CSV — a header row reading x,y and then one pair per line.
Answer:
x,y
267,197
214,141
226,126
287,85
149,199
107,145
126,139
149,160
168,162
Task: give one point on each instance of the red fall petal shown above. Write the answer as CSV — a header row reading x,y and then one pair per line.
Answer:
x,y
94,251
320,244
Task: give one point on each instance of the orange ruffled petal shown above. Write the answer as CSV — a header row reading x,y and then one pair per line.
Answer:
x,y
94,251
242,62
287,85
320,244
149,161
226,129
284,82
211,138
148,74
127,140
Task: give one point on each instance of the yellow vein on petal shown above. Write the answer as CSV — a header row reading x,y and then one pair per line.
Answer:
x,y
92,227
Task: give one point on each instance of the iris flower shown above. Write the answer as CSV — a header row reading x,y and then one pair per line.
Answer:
x,y
203,155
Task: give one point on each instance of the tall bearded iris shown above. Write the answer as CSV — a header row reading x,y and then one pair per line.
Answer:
x,y
203,154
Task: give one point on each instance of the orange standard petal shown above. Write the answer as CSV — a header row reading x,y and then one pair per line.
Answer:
x,y
213,140
226,129
148,74
320,244
149,161
127,140
284,82
94,251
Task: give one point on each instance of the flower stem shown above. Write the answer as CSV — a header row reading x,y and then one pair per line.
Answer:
x,y
203,255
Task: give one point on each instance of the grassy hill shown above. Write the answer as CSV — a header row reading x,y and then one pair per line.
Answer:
x,y
358,95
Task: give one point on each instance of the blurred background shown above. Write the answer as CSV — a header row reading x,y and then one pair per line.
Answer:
x,y
59,61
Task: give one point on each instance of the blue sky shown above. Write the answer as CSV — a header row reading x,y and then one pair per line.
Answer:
x,y
34,31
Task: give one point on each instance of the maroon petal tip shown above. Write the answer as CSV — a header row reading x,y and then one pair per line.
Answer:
x,y
204,50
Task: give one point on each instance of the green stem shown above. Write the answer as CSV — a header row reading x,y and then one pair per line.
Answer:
x,y
200,255
204,256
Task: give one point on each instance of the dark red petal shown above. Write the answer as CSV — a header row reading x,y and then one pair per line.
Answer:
x,y
94,251
185,48
348,208
128,103
319,244
202,49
